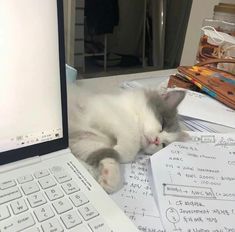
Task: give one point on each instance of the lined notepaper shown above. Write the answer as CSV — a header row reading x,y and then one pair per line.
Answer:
x,y
196,187
136,198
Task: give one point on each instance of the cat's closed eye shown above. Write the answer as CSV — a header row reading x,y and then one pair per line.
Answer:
x,y
163,125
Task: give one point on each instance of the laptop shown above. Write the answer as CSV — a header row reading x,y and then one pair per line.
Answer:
x,y
43,187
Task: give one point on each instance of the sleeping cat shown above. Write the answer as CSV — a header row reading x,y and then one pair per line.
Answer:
x,y
106,130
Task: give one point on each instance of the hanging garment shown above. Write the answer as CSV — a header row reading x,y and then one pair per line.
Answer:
x,y
102,15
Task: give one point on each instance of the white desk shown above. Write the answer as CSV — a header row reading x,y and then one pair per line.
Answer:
x,y
112,84
142,208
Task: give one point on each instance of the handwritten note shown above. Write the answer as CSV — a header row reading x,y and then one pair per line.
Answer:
x,y
136,198
223,140
195,185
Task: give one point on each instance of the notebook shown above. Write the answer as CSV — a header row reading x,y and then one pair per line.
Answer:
x,y
43,187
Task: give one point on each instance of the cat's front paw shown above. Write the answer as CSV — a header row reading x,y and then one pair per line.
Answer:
x,y
109,176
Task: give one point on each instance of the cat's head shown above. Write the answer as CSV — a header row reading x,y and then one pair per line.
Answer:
x,y
160,124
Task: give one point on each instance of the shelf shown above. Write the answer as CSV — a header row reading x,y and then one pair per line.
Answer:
x,y
94,54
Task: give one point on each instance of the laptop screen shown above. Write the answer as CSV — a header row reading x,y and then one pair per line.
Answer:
x,y
30,73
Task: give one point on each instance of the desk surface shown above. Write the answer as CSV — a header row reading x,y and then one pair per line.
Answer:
x,y
147,204
111,84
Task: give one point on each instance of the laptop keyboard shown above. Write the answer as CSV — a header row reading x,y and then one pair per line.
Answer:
x,y
49,201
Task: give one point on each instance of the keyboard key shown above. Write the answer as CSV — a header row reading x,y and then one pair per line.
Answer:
x,y
62,177
36,199
52,225
30,188
19,206
88,211
24,179
71,219
34,229
9,194
43,213
62,205
41,173
4,212
54,193
7,184
78,199
18,223
80,228
70,187
47,182
57,169
98,225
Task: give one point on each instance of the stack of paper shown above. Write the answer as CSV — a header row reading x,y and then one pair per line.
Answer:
x,y
199,106
198,125
136,197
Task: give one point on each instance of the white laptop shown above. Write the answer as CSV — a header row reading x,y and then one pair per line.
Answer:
x,y
43,187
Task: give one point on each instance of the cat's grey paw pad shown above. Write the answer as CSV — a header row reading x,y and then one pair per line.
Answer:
x,y
109,175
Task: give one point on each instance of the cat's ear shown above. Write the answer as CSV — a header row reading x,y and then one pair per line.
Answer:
x,y
173,98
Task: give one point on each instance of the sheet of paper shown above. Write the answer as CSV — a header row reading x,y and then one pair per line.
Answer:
x,y
195,184
201,106
149,82
136,198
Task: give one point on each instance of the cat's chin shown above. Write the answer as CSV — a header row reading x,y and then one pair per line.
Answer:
x,y
151,149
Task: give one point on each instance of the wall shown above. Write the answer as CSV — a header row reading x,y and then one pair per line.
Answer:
x,y
69,22
228,1
200,9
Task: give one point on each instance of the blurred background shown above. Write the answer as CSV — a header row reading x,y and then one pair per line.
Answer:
x,y
110,37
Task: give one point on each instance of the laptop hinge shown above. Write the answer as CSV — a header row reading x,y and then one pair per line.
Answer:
x,y
55,154
20,164
31,160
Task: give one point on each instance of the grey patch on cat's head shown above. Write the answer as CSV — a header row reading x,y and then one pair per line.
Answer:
x,y
95,157
165,108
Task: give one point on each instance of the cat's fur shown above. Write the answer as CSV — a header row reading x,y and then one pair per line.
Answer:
x,y
106,130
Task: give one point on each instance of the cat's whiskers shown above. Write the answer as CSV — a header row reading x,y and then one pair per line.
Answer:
x,y
148,141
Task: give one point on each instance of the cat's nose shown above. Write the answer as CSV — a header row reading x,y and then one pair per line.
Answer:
x,y
157,141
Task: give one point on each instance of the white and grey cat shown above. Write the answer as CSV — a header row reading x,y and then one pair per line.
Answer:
x,y
108,129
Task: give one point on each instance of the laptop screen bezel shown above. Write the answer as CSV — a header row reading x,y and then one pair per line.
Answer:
x,y
57,144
